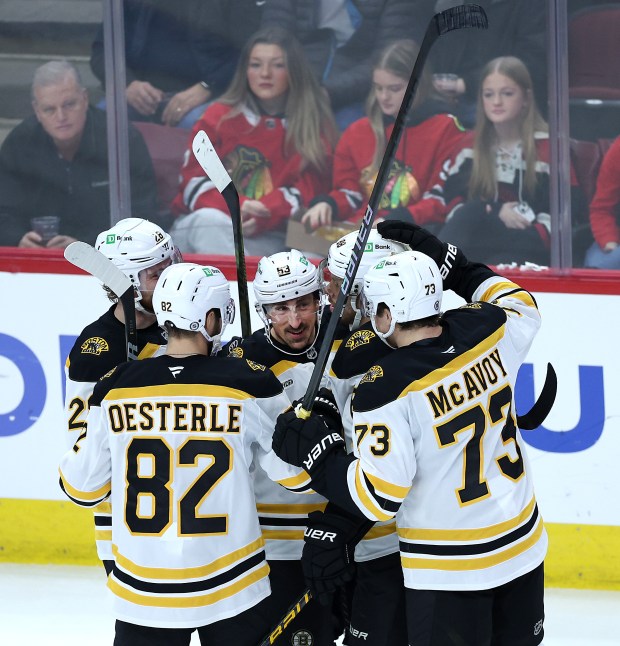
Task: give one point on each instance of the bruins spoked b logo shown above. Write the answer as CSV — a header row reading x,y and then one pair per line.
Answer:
x,y
302,638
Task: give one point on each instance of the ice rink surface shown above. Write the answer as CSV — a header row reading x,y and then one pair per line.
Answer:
x,y
54,605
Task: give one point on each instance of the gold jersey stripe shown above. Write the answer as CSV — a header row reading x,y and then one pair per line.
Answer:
x,y
283,534
103,508
497,290
86,496
387,488
282,366
199,572
462,535
379,531
477,563
457,364
186,601
299,510
170,391
366,499
148,350
103,534
295,482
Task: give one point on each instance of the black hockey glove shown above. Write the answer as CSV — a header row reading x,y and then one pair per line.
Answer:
x,y
449,258
325,404
329,546
305,443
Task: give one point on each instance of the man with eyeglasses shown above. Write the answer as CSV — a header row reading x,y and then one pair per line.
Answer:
x,y
288,301
55,163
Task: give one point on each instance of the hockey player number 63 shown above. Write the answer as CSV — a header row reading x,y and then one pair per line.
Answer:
x,y
155,482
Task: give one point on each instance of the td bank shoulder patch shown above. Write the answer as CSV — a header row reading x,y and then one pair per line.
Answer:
x,y
372,375
94,345
359,337
256,366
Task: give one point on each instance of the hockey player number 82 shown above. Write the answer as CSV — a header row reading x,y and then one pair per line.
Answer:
x,y
156,485
477,418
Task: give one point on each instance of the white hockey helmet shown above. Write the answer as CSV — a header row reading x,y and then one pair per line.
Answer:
x,y
134,244
282,277
339,255
186,292
409,283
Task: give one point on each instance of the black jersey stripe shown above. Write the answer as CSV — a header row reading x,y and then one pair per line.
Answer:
x,y
472,549
192,586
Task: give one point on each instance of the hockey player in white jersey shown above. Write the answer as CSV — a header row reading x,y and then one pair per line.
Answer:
x,y
378,578
171,441
438,448
141,250
288,301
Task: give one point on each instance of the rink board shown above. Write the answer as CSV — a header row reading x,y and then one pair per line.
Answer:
x,y
573,456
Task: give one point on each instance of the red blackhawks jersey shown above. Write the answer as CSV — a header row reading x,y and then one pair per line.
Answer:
x,y
415,177
172,442
253,149
439,447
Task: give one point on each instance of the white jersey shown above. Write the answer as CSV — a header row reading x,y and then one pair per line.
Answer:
x,y
351,358
439,447
283,515
174,456
100,347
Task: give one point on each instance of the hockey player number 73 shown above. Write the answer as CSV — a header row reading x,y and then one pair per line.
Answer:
x,y
149,478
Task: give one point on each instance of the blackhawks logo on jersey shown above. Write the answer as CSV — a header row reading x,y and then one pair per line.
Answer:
x,y
94,345
254,365
372,375
401,188
359,337
250,172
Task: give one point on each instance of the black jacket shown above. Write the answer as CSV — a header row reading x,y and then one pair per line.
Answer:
x,y
348,78
35,180
174,44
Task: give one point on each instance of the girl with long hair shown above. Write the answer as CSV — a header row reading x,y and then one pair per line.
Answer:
x,y
426,145
275,133
497,189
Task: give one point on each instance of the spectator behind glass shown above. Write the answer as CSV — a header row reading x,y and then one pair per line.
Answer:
x,y
55,163
179,55
604,213
275,134
498,184
515,29
426,146
340,39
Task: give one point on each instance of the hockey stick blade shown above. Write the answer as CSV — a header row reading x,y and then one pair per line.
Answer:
x,y
291,613
460,17
211,164
93,262
543,405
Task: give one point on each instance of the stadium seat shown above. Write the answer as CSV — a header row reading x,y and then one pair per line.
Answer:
x,y
166,146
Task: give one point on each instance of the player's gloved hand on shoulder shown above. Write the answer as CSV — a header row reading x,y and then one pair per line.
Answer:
x,y
449,258
329,545
305,443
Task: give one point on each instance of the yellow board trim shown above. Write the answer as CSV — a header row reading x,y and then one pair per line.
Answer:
x,y
61,533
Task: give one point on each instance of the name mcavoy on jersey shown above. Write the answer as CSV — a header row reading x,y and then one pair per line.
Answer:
x,y
469,384
193,417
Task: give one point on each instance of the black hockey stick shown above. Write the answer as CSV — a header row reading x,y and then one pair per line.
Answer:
x,y
542,406
85,257
469,15
212,165
291,613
